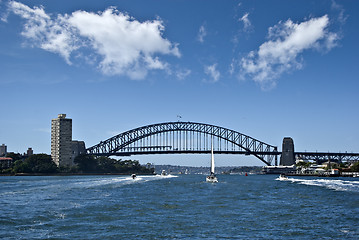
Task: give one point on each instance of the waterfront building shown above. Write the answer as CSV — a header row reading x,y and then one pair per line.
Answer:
x,y
313,169
61,141
6,162
3,150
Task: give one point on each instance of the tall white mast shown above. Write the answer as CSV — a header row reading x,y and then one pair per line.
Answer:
x,y
212,158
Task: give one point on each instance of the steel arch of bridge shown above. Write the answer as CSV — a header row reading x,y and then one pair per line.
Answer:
x,y
183,137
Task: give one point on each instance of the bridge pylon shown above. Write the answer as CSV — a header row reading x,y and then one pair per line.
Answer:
x,y
287,157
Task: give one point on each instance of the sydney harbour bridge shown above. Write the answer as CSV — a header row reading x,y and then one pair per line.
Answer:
x,y
197,138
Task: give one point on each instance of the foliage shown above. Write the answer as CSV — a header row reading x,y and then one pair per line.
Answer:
x,y
355,167
6,171
67,169
92,164
86,163
106,165
14,156
37,163
19,167
303,164
42,163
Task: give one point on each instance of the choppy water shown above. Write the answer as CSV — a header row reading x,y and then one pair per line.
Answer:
x,y
178,207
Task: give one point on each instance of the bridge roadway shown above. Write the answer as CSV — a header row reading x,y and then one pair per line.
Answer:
x,y
320,157
314,156
147,152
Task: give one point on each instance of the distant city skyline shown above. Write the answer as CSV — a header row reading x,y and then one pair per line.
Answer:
x,y
267,69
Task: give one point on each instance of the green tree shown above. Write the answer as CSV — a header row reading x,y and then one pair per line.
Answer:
x,y
37,163
20,167
303,164
355,167
86,163
102,164
128,166
41,163
14,156
106,165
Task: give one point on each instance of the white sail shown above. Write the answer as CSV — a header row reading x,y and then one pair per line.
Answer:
x,y
212,160
212,177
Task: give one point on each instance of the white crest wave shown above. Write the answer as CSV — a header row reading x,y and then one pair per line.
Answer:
x,y
335,184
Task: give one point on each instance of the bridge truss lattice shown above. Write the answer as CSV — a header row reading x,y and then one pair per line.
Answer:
x,y
184,138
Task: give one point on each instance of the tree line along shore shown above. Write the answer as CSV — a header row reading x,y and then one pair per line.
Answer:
x,y
42,164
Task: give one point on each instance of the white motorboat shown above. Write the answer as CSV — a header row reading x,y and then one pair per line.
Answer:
x,y
283,177
163,173
212,177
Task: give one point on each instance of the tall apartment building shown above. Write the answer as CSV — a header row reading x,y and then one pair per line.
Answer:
x,y
61,141
3,150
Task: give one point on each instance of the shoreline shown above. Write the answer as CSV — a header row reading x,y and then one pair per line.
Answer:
x,y
354,175
72,174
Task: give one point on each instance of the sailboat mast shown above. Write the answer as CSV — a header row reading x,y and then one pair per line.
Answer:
x,y
212,158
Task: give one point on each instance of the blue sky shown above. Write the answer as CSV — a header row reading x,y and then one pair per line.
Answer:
x,y
268,69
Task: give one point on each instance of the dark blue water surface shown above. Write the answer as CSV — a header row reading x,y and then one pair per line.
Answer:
x,y
178,207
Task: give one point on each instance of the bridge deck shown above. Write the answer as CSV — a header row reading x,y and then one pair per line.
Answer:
x,y
321,156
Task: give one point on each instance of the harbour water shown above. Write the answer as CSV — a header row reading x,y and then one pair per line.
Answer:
x,y
178,207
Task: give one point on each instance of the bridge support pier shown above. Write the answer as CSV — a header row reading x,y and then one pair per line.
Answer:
x,y
287,157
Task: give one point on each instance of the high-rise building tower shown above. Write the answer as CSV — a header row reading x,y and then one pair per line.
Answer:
x,y
61,141
29,152
3,150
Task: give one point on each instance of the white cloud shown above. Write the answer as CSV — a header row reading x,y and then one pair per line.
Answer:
x,y
341,17
3,13
246,22
127,46
232,67
51,35
212,72
201,33
286,42
182,74
124,45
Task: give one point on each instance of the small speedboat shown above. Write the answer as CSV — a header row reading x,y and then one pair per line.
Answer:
x,y
133,176
163,173
283,177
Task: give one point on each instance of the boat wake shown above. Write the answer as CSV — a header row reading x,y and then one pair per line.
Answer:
x,y
159,176
123,180
335,184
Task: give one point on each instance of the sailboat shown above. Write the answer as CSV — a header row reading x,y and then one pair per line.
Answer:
x,y
212,178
